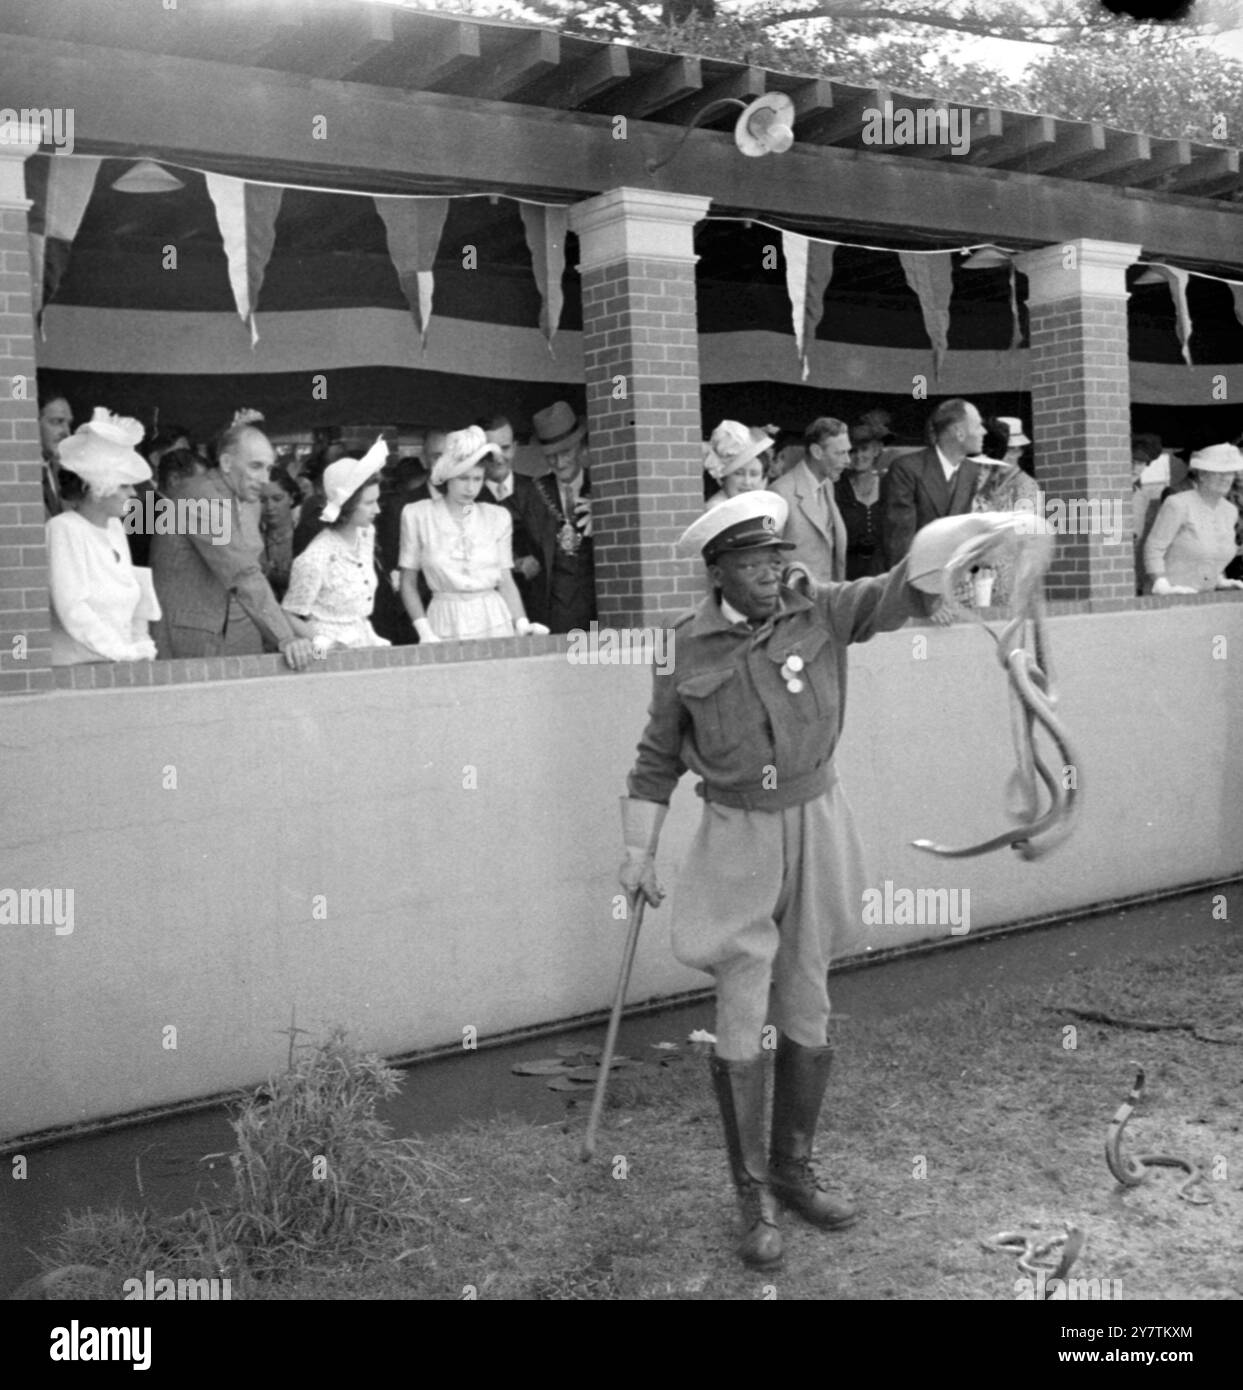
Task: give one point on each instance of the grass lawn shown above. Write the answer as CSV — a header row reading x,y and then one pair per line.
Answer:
x,y
948,1126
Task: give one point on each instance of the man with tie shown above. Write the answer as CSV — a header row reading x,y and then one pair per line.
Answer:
x,y
55,425
563,595
937,481
815,527
516,493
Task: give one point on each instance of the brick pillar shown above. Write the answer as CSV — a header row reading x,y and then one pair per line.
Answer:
x,y
641,350
1081,410
25,642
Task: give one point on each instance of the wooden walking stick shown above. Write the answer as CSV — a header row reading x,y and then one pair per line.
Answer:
x,y
637,904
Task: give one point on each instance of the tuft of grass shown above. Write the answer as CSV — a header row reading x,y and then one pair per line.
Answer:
x,y
319,1184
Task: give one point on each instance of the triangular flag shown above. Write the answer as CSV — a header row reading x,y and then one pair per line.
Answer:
x,y
809,270
932,279
1236,290
545,230
246,215
413,227
1177,279
67,190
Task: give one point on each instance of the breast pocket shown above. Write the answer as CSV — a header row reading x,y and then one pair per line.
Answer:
x,y
713,699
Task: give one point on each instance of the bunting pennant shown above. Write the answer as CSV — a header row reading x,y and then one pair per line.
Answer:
x,y
932,279
246,215
68,189
413,229
809,270
545,232
1177,281
1237,291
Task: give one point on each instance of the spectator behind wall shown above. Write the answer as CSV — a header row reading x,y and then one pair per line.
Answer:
x,y
937,481
815,525
333,585
100,602
1193,538
196,574
734,460
55,424
857,493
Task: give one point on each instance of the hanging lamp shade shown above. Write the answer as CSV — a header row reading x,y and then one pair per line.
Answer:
x,y
148,177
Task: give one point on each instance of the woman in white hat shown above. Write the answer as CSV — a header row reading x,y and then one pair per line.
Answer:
x,y
1193,538
333,581
101,603
464,549
734,459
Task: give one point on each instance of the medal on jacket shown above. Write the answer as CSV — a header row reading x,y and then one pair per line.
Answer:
x,y
569,539
790,673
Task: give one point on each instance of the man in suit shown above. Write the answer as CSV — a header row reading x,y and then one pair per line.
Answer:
x,y
195,576
55,425
937,481
516,493
563,593
815,526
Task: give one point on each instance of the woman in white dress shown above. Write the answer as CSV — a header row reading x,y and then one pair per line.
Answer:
x,y
734,459
333,581
100,602
465,551
1192,540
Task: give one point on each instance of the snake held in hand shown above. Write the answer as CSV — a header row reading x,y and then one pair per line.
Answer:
x,y
1130,1172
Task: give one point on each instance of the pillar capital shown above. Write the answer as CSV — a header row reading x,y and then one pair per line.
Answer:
x,y
1079,266
629,223
17,144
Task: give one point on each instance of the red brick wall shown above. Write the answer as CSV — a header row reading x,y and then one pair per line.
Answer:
x,y
639,324
1081,418
23,553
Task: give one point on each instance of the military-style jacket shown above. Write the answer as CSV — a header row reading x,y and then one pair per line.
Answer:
x,y
726,711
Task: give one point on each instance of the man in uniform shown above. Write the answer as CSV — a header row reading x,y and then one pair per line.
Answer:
x,y
771,889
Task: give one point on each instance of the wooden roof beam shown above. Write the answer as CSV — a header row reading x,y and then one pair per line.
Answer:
x,y
1124,153
417,60
1021,136
943,148
330,41
1072,141
745,85
844,124
1213,171
813,101
535,55
1170,157
670,83
571,84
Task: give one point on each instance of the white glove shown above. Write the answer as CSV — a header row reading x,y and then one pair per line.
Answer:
x,y
1162,587
1224,583
582,515
938,543
424,629
797,576
142,650
641,822
525,628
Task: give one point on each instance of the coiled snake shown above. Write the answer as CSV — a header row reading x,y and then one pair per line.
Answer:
x,y
1130,1172
1032,701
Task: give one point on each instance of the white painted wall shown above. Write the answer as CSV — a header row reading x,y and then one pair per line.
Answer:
x,y
491,908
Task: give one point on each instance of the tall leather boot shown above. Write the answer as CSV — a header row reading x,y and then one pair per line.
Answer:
x,y
740,1093
801,1074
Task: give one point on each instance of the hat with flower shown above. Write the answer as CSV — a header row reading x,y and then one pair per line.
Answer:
x,y
102,453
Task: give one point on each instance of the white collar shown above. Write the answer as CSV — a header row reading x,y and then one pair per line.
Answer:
x,y
948,468
732,613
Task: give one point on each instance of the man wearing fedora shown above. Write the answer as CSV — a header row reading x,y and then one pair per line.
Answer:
x,y
563,594
771,887
934,482
195,576
815,527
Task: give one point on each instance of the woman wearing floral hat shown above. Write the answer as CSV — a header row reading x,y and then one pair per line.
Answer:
x,y
464,550
1193,538
100,602
734,459
333,582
